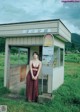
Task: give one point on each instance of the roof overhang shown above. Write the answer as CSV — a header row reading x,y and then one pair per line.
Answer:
x,y
36,28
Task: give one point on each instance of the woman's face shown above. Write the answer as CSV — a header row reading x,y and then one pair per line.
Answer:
x,y
35,56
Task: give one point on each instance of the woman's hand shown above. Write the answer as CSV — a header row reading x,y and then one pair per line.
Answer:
x,y
34,77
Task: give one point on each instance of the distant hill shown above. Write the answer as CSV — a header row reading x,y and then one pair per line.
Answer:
x,y
75,42
75,39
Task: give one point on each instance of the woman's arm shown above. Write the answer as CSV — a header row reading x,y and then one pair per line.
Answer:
x,y
40,65
31,69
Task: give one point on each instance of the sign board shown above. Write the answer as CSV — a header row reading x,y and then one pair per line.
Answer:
x,y
48,40
38,30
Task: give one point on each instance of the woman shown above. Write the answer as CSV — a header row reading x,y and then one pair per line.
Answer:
x,y
32,79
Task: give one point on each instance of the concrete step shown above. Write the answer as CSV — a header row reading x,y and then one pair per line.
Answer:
x,y
45,97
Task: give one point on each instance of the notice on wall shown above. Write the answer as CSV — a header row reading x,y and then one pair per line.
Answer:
x,y
47,50
47,60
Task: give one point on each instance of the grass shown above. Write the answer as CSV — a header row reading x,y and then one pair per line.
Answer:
x,y
67,97
73,57
23,59
1,68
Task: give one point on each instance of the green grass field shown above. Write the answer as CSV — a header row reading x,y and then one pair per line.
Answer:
x,y
67,97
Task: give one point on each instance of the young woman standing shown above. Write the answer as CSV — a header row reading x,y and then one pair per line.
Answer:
x,y
32,78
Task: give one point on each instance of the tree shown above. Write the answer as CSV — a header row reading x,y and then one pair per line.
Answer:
x,y
73,46
2,44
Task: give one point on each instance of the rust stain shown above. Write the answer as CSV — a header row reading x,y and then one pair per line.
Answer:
x,y
22,73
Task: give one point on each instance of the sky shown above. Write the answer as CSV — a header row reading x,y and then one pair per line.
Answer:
x,y
12,11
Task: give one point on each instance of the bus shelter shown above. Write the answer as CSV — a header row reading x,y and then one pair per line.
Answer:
x,y
48,38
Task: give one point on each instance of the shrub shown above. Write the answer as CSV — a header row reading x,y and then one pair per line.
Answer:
x,y
4,90
22,91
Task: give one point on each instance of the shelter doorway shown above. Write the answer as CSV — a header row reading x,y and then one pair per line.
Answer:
x,y
19,57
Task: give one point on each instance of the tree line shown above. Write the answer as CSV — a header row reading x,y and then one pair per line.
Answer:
x,y
2,44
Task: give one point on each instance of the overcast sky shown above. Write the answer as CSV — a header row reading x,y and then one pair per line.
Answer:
x,y
30,10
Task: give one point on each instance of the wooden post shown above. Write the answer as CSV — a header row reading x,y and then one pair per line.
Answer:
x,y
6,65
